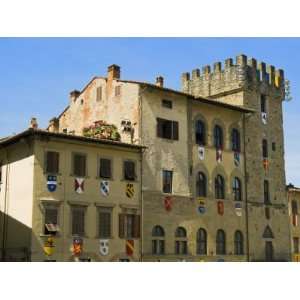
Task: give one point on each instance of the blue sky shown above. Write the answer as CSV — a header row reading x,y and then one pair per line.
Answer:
x,y
37,74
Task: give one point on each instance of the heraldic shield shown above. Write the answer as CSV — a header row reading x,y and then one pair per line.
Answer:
x,y
104,187
51,183
103,247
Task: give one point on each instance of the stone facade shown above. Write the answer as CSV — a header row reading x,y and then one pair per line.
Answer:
x,y
24,197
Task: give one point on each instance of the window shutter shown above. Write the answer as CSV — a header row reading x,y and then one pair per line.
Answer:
x,y
105,168
175,130
79,165
136,226
121,226
159,127
52,162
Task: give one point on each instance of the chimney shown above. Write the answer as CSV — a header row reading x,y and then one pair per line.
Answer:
x,y
159,81
74,95
33,123
113,72
54,125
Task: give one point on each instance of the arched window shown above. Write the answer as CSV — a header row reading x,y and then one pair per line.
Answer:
x,y
201,184
237,189
218,137
201,242
235,140
238,243
265,148
181,241
219,187
220,242
200,132
158,240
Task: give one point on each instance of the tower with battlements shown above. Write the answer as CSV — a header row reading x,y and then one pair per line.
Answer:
x,y
258,86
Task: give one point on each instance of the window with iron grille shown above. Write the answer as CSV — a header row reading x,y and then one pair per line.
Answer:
x,y
202,242
201,184
105,168
129,170
52,162
235,140
167,129
266,192
158,240
220,242
79,165
265,148
238,243
237,189
51,217
200,133
167,103
105,223
219,187
78,220
218,137
167,181
99,94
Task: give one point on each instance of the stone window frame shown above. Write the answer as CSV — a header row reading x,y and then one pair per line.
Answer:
x,y
236,125
172,181
219,170
45,160
221,242
77,205
239,248
222,125
181,241
109,210
200,117
200,241
236,173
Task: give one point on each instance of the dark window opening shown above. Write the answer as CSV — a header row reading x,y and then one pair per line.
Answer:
x,y
219,187
167,129
105,168
104,224
235,140
200,133
274,146
238,243
202,242
79,165
129,170
218,137
167,181
158,242
220,242
51,220
201,185
52,162
167,103
266,192
237,189
263,103
265,148
129,226
294,207
78,218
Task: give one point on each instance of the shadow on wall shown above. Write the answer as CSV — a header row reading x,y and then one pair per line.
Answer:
x,y
15,240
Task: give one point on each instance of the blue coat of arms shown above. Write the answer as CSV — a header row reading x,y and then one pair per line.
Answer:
x,y
51,183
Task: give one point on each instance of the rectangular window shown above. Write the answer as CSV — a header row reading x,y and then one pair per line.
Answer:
x,y
167,103
296,245
52,162
105,168
79,165
266,192
105,223
118,90
294,207
167,129
263,103
129,170
78,218
167,181
274,146
51,220
99,94
129,226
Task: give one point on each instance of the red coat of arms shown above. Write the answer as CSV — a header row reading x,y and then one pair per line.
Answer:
x,y
129,247
220,208
168,203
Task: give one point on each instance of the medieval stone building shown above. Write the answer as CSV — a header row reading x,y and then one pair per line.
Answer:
x,y
212,172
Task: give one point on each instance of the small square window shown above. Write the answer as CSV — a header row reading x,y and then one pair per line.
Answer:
x,y
167,103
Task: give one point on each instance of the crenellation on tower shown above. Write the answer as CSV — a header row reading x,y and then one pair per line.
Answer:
x,y
244,73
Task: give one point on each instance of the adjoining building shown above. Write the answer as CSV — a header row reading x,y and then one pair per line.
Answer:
x,y
293,196
212,172
69,198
